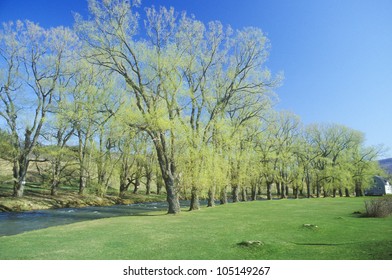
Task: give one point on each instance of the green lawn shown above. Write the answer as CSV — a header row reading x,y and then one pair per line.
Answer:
x,y
214,233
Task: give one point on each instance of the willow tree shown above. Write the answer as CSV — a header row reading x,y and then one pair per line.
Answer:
x,y
111,36
364,165
329,144
90,99
32,61
287,137
226,81
275,147
181,73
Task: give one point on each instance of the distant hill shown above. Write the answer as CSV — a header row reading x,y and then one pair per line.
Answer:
x,y
386,164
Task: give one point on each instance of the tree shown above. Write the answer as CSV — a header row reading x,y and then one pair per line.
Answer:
x,y
33,60
155,71
364,165
329,144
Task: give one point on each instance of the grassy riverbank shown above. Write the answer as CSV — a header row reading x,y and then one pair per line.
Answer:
x,y
285,229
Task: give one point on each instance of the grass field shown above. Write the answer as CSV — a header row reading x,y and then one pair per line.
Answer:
x,y
215,233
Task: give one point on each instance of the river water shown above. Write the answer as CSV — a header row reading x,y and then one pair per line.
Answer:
x,y
17,222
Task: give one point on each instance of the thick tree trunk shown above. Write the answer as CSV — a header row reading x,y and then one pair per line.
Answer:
x,y
136,185
223,196
168,171
195,203
244,195
19,172
269,186
318,190
123,187
19,188
211,197
235,194
340,193
253,193
54,188
347,192
282,193
295,192
308,192
171,196
358,190
334,192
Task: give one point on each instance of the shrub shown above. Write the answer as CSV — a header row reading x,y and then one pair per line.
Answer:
x,y
378,208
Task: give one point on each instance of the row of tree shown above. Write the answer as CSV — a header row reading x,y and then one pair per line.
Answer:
x,y
176,102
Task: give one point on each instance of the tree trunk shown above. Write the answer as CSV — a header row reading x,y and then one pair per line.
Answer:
x,y
269,186
358,190
340,192
318,190
195,203
282,193
171,196
278,192
334,192
123,188
136,185
347,192
308,192
211,197
168,171
19,172
295,192
244,194
19,188
253,193
148,184
82,184
235,194
223,196
54,187
159,186
56,177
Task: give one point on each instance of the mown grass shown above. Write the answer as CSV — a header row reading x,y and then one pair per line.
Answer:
x,y
214,233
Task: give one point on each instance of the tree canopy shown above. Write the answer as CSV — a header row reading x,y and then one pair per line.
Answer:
x,y
126,96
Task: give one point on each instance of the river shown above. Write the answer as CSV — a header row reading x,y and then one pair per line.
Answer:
x,y
17,222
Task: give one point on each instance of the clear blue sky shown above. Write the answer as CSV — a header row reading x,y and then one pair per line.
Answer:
x,y
336,55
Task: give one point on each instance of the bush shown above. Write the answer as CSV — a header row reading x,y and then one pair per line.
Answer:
x,y
378,208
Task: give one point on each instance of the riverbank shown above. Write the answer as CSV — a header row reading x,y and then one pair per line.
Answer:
x,y
43,200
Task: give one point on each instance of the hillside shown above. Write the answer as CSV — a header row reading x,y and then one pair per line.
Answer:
x,y
386,164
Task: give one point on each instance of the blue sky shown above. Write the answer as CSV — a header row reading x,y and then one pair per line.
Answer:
x,y
336,55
